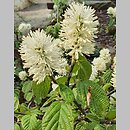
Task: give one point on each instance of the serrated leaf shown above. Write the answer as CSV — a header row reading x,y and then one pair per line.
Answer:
x,y
23,108
107,86
112,127
27,86
62,80
85,68
107,76
16,103
41,90
16,93
99,127
66,93
99,101
92,117
16,127
81,125
39,125
58,117
82,89
111,115
35,111
28,96
29,122
52,98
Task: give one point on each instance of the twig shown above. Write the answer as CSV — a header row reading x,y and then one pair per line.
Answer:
x,y
79,107
53,79
70,73
108,122
109,94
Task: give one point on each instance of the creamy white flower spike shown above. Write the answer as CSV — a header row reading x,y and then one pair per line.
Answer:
x,y
100,64
113,79
94,73
78,29
22,75
24,28
112,11
41,55
105,54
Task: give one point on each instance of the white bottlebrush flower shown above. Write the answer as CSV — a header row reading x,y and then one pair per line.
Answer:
x,y
94,73
22,75
114,62
24,28
113,79
112,11
105,54
78,29
100,64
41,55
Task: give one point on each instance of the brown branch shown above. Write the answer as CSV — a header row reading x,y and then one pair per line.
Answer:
x,y
79,107
53,79
70,73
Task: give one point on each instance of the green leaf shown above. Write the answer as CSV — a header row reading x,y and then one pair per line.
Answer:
x,y
35,111
39,125
29,122
23,107
16,93
107,86
66,93
112,127
91,125
107,76
81,125
27,86
62,80
99,127
111,114
41,90
52,98
16,103
58,117
82,89
85,68
92,117
85,125
16,127
99,101
28,96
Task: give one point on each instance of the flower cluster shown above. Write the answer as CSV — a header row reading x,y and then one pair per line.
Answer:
x,y
112,11
100,64
22,75
102,60
105,54
41,55
78,29
24,28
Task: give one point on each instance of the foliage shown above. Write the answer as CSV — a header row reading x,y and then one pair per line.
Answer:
x,y
77,103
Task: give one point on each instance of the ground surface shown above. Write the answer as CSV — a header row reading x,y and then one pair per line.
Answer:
x,y
35,14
